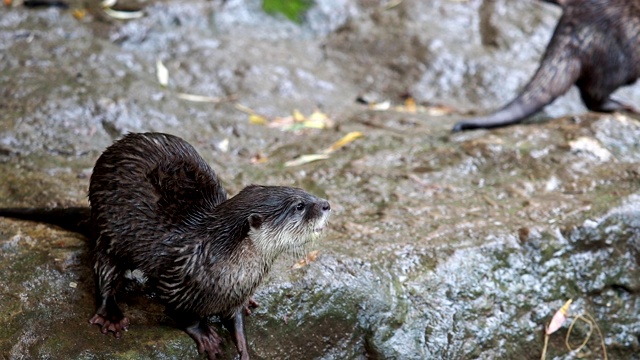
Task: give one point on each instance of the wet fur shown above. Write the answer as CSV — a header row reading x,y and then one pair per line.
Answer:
x,y
76,219
596,46
158,208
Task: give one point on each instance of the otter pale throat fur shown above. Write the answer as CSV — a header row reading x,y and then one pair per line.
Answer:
x,y
157,208
596,46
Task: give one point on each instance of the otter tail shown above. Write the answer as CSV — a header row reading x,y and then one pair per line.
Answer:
x,y
76,219
559,70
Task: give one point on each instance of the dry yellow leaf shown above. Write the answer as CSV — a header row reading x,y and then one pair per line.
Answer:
x,y
79,14
314,124
297,116
318,116
321,118
257,119
410,105
344,141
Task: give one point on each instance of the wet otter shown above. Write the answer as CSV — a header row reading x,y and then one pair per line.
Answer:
x,y
596,45
157,208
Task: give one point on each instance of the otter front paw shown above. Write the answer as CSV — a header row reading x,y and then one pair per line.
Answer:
x,y
110,324
251,304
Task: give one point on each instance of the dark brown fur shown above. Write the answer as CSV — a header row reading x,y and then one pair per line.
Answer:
x,y
158,209
76,219
596,46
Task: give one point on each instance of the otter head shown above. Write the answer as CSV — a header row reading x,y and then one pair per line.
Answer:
x,y
284,219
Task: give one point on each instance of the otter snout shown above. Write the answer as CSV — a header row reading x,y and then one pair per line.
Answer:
x,y
324,205
323,209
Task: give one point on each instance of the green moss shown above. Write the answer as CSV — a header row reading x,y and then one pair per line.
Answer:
x,y
292,9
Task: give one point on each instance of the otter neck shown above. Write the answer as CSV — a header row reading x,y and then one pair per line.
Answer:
x,y
269,244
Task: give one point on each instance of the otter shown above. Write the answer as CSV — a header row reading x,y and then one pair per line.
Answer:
x,y
596,46
157,208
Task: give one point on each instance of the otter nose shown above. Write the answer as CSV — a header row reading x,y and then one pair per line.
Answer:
x,y
325,205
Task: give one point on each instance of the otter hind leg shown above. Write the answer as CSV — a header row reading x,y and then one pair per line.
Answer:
x,y
207,339
235,325
606,105
108,314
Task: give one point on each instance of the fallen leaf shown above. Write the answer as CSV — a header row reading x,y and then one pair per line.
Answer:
x,y
294,122
257,119
199,98
383,106
79,14
344,141
311,257
108,3
244,109
162,72
297,116
259,159
282,122
558,318
304,159
224,145
410,105
314,125
123,15
392,4
439,110
318,120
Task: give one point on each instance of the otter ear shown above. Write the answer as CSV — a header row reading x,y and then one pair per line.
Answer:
x,y
255,221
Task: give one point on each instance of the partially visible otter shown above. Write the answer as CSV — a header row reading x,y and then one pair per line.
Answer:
x,y
158,208
596,45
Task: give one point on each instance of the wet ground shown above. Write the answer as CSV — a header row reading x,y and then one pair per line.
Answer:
x,y
441,245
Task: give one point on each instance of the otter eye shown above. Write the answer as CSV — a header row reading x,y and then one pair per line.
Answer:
x,y
300,206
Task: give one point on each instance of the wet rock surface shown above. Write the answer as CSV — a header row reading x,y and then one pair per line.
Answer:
x,y
441,245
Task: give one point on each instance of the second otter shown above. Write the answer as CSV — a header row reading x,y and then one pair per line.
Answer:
x,y
158,208
596,46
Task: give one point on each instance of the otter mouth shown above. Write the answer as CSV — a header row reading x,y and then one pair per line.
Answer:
x,y
320,224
